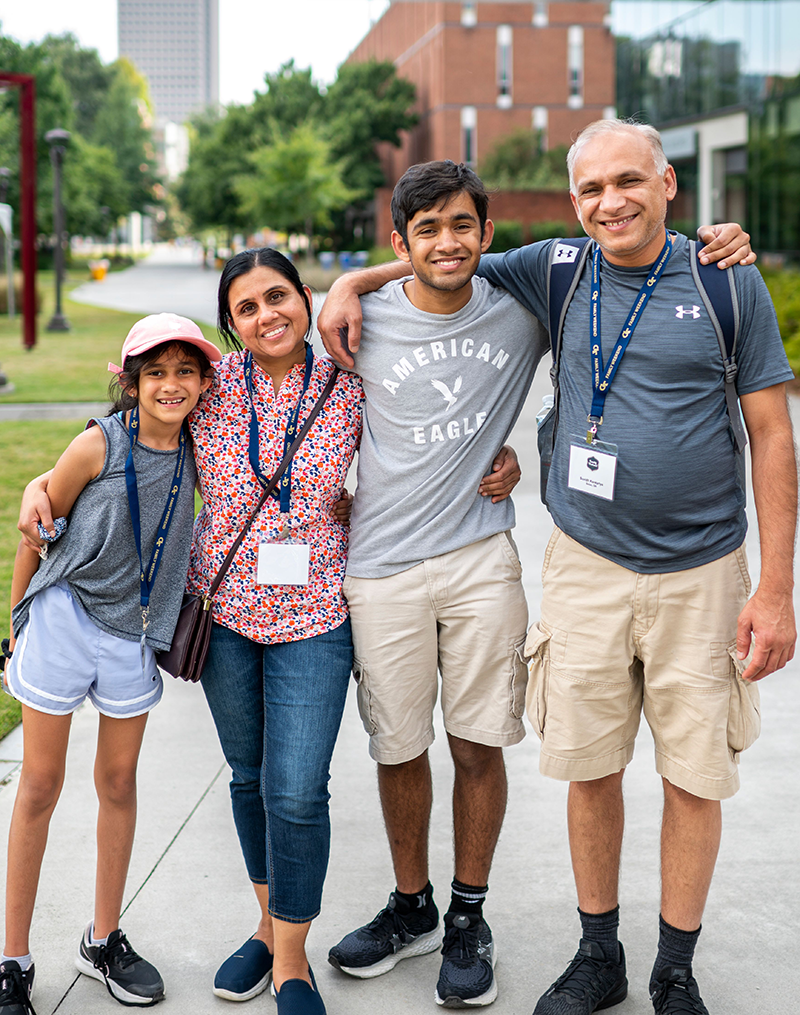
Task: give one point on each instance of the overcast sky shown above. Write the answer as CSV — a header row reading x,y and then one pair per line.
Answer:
x,y
256,36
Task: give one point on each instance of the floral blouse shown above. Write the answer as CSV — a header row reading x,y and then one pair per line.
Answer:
x,y
220,428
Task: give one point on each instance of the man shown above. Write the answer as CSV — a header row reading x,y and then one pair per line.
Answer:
x,y
433,579
646,597
436,238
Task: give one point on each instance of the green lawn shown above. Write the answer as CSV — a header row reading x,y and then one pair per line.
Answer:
x,y
65,366
26,449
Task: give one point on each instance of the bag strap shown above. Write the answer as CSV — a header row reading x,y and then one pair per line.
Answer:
x,y
718,292
567,258
215,584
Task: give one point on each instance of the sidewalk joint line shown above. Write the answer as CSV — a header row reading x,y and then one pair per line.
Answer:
x,y
172,841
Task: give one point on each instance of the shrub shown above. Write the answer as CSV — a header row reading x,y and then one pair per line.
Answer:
x,y
507,234
784,288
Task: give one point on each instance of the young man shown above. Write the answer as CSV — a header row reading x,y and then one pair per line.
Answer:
x,y
433,579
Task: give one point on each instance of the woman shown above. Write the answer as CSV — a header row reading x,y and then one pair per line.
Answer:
x,y
280,656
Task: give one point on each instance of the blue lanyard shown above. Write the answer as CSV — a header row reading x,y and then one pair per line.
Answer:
x,y
147,576
602,376
289,436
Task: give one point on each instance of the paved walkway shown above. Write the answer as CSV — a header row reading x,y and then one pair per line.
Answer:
x,y
189,904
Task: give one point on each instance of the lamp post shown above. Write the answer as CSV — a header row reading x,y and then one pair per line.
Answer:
x,y
57,139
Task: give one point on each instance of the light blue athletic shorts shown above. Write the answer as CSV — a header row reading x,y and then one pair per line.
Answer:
x,y
61,658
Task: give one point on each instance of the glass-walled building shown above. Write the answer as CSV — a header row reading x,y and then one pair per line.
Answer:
x,y
721,80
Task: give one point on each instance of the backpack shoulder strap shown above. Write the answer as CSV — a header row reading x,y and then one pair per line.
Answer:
x,y
567,258
718,292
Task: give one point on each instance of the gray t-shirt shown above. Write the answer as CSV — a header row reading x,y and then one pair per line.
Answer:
x,y
97,556
442,394
679,494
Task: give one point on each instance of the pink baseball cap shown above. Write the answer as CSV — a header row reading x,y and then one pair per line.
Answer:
x,y
158,328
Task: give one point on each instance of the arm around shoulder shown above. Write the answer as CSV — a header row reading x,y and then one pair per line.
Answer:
x,y
339,322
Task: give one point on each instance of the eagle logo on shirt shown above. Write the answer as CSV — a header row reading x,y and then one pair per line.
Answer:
x,y
449,396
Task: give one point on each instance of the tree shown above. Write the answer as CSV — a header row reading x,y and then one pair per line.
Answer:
x,y
219,148
295,184
123,124
517,162
87,78
109,161
368,103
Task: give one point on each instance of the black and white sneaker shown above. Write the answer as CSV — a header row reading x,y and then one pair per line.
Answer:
x,y
675,992
589,983
466,978
129,978
15,989
397,932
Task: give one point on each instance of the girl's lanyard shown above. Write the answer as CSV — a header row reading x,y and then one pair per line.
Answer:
x,y
602,376
285,485
147,576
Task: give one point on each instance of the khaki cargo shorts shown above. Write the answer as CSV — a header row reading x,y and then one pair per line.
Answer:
x,y
462,614
611,642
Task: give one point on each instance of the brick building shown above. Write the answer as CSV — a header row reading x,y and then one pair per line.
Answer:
x,y
485,69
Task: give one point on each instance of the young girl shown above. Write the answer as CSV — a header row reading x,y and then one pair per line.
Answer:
x,y
87,621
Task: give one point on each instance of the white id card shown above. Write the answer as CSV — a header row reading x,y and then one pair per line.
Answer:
x,y
592,470
282,564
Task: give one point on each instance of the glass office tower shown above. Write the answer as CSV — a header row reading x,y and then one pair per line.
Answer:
x,y
721,80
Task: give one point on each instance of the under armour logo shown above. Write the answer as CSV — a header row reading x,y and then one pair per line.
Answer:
x,y
444,391
680,312
564,253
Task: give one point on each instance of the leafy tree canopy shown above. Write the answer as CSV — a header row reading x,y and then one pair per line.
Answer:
x,y
367,104
518,163
109,162
295,184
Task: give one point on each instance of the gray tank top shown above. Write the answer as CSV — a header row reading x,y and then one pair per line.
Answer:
x,y
97,556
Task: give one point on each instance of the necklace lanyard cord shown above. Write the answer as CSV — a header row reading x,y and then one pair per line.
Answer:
x,y
602,376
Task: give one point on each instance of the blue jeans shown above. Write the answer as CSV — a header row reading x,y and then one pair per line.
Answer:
x,y
277,709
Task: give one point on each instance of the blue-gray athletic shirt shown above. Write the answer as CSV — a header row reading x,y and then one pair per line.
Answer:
x,y
679,494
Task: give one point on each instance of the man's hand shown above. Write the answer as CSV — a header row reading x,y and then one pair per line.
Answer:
x,y
504,476
339,322
35,508
726,244
769,619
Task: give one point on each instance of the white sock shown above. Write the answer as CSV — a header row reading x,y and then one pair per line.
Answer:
x,y
25,961
95,940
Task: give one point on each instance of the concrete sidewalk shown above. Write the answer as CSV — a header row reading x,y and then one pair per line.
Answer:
x,y
189,903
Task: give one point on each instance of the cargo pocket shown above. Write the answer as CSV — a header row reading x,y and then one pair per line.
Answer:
x,y
744,714
537,651
363,696
519,680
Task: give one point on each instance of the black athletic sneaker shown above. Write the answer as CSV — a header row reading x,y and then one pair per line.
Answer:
x,y
467,974
397,932
129,978
589,983
15,989
676,993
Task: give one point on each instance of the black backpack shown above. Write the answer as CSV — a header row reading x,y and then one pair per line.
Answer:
x,y
718,293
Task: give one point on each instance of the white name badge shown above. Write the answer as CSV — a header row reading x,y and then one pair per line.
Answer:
x,y
283,564
591,470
